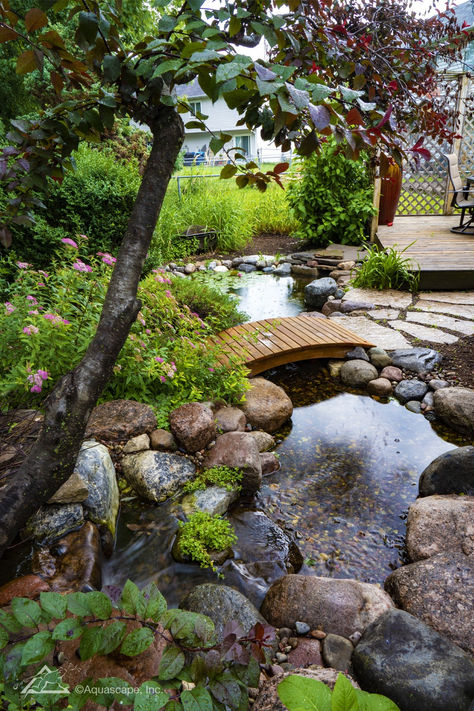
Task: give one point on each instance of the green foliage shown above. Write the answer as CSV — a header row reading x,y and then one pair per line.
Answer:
x,y
331,197
50,317
218,309
299,693
202,534
215,476
127,625
386,269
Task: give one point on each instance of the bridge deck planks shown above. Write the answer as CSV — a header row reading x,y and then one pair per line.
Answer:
x,y
272,342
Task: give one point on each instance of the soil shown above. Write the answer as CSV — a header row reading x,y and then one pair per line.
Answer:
x,y
458,361
263,243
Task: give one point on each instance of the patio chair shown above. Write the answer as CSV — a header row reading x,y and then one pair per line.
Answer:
x,y
461,199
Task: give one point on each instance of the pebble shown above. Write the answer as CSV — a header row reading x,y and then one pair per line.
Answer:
x,y
293,642
302,628
355,637
318,634
280,657
284,633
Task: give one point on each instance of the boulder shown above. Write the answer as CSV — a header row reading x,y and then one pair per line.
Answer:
x,y
30,586
157,475
392,373
439,591
266,405
450,473
358,373
238,450
348,306
436,384
214,500
222,604
455,407
53,521
193,426
163,440
330,306
307,652
304,271
337,651
283,269
118,420
230,419
137,444
73,491
379,357
247,268
334,605
95,467
357,353
268,699
264,440
380,386
438,524
419,360
401,657
316,292
270,463
408,390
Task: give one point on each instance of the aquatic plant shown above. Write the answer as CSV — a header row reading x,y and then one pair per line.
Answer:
x,y
202,534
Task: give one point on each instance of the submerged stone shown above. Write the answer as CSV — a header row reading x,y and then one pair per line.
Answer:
x,y
450,473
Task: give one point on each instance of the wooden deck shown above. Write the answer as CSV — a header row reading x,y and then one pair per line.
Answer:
x,y
272,342
445,259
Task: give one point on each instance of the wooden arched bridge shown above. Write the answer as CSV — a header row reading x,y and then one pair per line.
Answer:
x,y
272,342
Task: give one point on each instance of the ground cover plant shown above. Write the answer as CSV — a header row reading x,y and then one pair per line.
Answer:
x,y
215,476
203,535
386,269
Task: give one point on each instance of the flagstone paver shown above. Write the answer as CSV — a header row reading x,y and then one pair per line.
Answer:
x,y
381,335
424,333
442,321
463,310
450,297
387,297
380,314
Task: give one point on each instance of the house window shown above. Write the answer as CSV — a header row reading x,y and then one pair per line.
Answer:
x,y
243,142
195,107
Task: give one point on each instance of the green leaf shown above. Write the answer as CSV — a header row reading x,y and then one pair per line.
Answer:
x,y
204,56
198,699
167,23
88,26
226,689
78,604
4,637
298,693
228,171
171,663
132,600
137,641
37,647
234,25
111,67
54,604
374,702
350,94
9,622
68,629
26,612
26,62
155,603
169,65
320,92
343,696
232,69
150,697
112,636
99,604
91,642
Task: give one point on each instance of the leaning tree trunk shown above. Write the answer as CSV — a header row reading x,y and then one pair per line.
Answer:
x,y
53,456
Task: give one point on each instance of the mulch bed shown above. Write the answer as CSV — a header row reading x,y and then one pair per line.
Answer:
x,y
458,358
270,244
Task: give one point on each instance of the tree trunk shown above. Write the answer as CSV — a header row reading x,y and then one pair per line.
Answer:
x,y
68,407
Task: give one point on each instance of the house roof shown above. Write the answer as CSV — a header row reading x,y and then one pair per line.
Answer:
x,y
191,90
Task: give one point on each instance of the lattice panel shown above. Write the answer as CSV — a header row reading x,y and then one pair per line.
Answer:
x,y
466,154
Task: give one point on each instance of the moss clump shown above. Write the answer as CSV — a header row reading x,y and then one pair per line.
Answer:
x,y
202,534
215,476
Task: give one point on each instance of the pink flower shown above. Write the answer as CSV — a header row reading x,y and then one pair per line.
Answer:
x,y
160,360
81,267
108,259
32,298
147,330
23,265
54,318
70,242
40,283
83,236
162,378
45,274
33,313
66,322
168,293
29,330
211,370
9,307
35,389
43,374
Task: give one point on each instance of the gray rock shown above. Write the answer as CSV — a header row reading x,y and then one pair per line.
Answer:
x,y
339,294
189,268
401,657
348,306
304,271
251,259
455,407
428,400
193,426
357,353
54,521
156,475
162,439
380,386
179,274
283,269
419,360
73,491
437,384
331,306
410,390
247,268
230,419
220,269
212,265
270,463
379,357
268,270
413,406
301,628
264,440
358,373
317,292
119,420
238,450
450,473
137,444
438,524
214,500
337,651
266,405
268,699
222,604
95,466
392,373
439,591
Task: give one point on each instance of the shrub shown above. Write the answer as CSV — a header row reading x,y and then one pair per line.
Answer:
x,y
386,269
202,534
218,309
215,476
331,198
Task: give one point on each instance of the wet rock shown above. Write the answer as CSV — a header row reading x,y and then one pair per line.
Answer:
x,y
379,357
193,426
53,521
450,473
334,605
413,665
222,604
437,524
266,405
408,390
302,628
264,440
156,475
335,368
357,353
73,563
437,384
238,450
413,406
247,268
29,586
73,491
230,419
283,269
306,653
213,500
268,699
455,407
392,373
304,271
137,444
439,591
316,293
428,400
163,440
358,373
330,306
119,420
339,293
337,652
419,360
95,467
270,463
380,386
